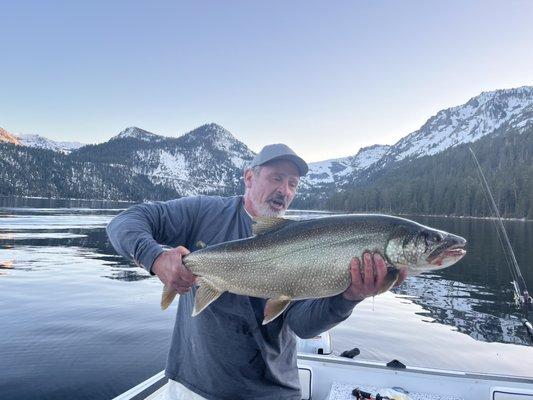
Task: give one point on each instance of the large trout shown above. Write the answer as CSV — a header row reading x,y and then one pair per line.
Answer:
x,y
289,260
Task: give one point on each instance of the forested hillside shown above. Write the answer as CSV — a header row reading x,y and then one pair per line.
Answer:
x,y
447,183
27,171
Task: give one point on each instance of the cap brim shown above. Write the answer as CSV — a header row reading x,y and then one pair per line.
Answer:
x,y
301,165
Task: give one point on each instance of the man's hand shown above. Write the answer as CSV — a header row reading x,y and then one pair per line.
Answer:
x,y
368,281
170,270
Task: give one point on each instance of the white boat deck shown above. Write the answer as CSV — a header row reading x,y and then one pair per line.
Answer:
x,y
334,378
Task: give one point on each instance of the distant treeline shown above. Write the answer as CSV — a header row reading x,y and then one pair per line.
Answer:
x,y
27,171
448,183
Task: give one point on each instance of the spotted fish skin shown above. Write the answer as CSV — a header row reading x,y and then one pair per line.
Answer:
x,y
289,260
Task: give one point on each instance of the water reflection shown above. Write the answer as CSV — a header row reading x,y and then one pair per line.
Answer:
x,y
6,264
39,235
47,203
127,275
471,309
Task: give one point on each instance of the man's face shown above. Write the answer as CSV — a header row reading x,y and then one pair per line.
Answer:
x,y
270,191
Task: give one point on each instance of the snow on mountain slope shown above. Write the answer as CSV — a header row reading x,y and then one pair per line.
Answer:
x,y
221,140
44,143
207,159
337,170
138,133
480,116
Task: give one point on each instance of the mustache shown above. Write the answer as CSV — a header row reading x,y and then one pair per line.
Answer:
x,y
279,198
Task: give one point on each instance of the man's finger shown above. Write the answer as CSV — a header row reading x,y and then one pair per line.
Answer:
x,y
186,275
380,268
183,251
355,270
369,272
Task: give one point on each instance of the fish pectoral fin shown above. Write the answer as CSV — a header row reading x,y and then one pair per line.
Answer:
x,y
274,307
390,279
205,295
167,296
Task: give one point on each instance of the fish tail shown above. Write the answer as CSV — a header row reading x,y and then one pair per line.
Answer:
x,y
167,297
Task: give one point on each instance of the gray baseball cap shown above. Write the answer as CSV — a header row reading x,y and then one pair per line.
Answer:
x,y
279,151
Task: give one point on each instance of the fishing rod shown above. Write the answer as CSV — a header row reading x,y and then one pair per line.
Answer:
x,y
521,294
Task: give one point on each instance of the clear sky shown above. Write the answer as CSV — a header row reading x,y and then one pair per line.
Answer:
x,y
325,77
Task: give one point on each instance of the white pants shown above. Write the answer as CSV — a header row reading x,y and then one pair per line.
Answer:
x,y
176,391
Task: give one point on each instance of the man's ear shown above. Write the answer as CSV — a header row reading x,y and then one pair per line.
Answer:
x,y
248,175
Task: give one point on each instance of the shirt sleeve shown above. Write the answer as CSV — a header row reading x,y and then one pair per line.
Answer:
x,y
308,318
139,232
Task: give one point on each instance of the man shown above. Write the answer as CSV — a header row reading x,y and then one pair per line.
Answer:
x,y
225,352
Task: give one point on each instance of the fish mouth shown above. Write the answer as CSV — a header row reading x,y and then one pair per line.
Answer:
x,y
449,253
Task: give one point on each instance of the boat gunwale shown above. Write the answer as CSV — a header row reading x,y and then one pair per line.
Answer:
x,y
411,369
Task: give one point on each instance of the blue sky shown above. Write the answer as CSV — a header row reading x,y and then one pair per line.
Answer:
x,y
325,77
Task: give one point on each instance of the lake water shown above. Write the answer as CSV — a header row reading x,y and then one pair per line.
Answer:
x,y
77,321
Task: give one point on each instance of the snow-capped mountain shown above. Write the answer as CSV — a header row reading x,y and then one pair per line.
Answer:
x,y
38,142
138,133
491,113
44,143
208,159
508,109
488,113
340,169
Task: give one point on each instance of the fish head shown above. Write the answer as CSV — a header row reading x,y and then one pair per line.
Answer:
x,y
424,249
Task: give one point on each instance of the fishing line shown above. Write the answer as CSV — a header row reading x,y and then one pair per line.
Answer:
x,y
519,284
500,230
507,256
502,233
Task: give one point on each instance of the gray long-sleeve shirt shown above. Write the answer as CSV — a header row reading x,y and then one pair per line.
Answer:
x,y
224,353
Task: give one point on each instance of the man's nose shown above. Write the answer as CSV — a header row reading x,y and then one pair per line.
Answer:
x,y
284,188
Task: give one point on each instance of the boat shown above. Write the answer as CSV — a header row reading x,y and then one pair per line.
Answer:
x,y
325,376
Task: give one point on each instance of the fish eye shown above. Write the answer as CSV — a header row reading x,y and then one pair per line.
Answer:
x,y
432,238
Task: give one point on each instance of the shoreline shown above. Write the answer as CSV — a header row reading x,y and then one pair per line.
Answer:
x,y
524,219
415,215
65,198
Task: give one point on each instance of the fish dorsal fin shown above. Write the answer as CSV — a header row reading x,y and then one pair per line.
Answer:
x,y
262,225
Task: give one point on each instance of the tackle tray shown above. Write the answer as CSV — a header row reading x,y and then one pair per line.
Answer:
x,y
343,391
